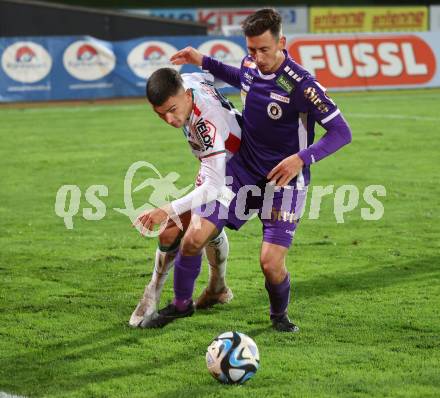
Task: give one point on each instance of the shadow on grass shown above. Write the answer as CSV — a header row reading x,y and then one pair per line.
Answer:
x,y
54,369
376,277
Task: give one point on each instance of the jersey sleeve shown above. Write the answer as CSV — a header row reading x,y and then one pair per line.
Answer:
x,y
227,73
314,100
311,97
213,170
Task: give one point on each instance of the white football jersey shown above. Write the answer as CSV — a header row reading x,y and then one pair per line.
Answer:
x,y
213,131
213,127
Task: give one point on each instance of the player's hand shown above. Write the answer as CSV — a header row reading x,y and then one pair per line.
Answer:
x,y
148,219
285,171
188,55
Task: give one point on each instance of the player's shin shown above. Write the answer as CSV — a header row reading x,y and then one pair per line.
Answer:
x,y
186,271
279,296
217,252
163,263
216,292
147,307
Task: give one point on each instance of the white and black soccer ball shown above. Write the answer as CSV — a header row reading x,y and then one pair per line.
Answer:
x,y
232,358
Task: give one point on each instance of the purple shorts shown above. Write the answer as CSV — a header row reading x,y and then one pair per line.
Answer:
x,y
279,211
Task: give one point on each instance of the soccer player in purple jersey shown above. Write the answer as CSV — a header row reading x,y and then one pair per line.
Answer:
x,y
281,104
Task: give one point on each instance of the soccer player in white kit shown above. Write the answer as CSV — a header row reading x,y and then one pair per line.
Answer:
x,y
212,127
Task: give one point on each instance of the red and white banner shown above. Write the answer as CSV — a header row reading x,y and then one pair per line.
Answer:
x,y
365,61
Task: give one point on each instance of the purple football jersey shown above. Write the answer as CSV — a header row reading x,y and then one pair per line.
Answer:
x,y
279,114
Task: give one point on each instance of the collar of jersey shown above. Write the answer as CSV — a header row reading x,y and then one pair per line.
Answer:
x,y
278,71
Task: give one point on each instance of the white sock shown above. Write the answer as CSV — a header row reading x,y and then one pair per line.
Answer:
x,y
217,251
163,263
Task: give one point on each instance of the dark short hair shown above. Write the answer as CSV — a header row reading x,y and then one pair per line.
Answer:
x,y
163,84
261,21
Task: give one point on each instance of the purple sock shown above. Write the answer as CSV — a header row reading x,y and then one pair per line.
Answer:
x,y
279,296
186,271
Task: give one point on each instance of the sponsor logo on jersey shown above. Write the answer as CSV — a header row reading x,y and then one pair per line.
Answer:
x,y
88,61
312,95
206,133
274,111
249,64
284,82
249,78
149,56
26,62
361,61
286,216
278,97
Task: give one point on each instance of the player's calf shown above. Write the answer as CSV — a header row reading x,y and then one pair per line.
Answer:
x,y
217,292
147,306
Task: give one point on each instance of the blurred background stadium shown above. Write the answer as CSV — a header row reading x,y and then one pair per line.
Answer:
x,y
366,293
52,51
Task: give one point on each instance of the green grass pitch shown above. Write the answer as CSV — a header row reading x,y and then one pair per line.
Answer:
x,y
365,293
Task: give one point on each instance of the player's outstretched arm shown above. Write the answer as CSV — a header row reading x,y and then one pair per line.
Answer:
x,y
189,55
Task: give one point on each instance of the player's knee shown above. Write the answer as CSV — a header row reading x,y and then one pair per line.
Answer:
x,y
169,239
192,244
267,264
272,267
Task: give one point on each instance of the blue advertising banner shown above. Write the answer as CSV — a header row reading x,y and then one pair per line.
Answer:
x,y
82,67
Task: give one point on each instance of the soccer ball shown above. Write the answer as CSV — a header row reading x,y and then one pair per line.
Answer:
x,y
232,358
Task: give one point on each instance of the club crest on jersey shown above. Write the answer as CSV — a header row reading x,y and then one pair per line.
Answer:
x,y
206,133
274,111
284,82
